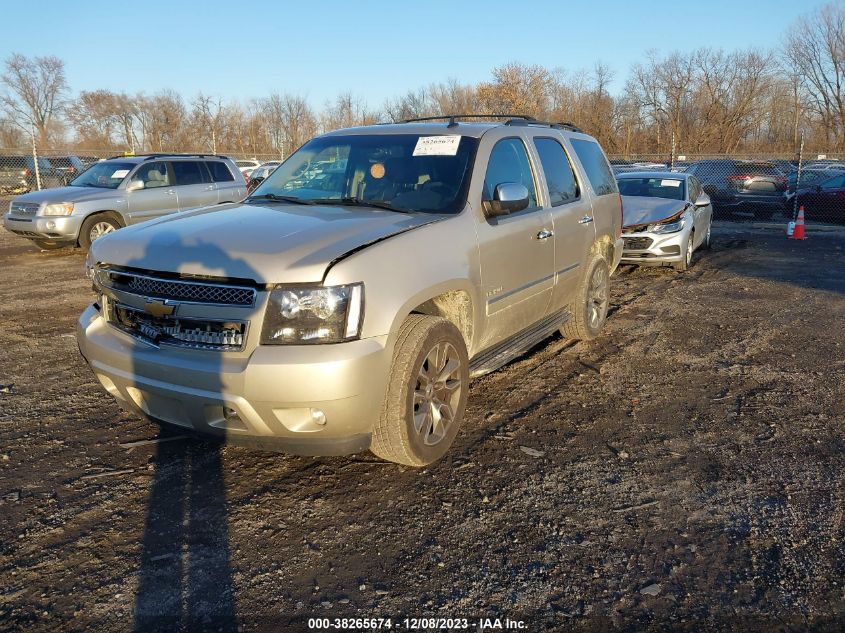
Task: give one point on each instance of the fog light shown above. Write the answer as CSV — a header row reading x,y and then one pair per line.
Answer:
x,y
51,225
318,416
230,414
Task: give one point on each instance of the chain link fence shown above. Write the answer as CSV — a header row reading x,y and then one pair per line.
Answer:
x,y
741,186
762,187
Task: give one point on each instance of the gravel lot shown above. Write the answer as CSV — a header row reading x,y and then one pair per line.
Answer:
x,y
683,472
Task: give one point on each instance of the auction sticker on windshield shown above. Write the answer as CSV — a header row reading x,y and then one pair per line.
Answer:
x,y
437,145
670,183
120,173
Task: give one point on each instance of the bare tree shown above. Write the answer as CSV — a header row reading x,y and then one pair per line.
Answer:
x,y
36,87
290,122
815,50
209,115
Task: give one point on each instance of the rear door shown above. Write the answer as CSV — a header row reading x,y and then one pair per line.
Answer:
x,y
158,195
229,188
569,207
193,184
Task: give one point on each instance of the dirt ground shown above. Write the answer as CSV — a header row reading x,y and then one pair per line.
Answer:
x,y
683,472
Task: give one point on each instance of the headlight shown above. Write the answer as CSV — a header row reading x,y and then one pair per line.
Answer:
x,y
62,208
669,227
302,315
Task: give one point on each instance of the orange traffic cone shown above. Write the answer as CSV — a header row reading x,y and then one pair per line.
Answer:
x,y
798,233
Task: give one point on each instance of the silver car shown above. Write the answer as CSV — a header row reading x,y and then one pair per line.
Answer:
x,y
121,191
666,217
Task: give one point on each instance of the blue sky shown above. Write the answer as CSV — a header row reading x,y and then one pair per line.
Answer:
x,y
372,49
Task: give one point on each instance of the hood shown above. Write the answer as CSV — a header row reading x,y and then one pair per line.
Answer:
x,y
272,243
643,210
70,194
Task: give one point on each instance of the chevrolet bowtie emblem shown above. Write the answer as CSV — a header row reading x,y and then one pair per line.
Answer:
x,y
159,308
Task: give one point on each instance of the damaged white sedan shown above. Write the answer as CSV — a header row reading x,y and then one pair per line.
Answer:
x,y
667,216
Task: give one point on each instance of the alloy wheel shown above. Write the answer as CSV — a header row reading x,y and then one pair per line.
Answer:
x,y
598,297
437,393
99,229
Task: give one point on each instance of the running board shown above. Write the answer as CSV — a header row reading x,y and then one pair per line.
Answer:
x,y
503,353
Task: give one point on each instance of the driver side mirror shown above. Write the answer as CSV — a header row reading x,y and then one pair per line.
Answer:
x,y
509,197
702,200
134,185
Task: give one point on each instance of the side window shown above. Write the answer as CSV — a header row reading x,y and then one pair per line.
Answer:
x,y
694,189
560,178
595,165
188,172
219,171
509,163
834,183
153,175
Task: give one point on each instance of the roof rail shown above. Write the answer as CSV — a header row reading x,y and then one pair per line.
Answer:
x,y
512,119
453,118
167,155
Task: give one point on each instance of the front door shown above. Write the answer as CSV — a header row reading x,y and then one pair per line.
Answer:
x,y
516,251
156,197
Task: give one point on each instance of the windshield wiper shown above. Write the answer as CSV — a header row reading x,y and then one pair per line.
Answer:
x,y
378,204
275,198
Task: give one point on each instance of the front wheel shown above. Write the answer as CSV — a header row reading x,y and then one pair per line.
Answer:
x,y
95,227
426,393
689,247
589,308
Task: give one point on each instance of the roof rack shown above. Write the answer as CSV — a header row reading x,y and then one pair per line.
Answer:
x,y
512,119
167,155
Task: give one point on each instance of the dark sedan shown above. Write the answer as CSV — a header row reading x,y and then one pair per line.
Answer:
x,y
751,186
824,201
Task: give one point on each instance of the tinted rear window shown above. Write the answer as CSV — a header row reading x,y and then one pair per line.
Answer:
x,y
219,171
188,172
757,169
595,166
559,176
12,162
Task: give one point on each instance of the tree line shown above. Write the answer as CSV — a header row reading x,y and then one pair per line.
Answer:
x,y
700,101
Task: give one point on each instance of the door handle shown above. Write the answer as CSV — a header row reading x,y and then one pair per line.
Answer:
x,y
209,188
170,192
545,234
586,219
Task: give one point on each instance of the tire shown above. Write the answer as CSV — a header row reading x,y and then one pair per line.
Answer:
x,y
94,226
407,431
589,309
706,243
48,246
689,247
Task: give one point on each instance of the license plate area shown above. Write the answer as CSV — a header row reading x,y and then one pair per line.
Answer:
x,y
190,333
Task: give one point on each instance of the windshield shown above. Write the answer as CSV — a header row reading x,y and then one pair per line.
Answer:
x,y
406,172
107,175
671,188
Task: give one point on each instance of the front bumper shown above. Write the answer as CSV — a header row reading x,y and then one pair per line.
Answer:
x,y
654,248
56,229
265,399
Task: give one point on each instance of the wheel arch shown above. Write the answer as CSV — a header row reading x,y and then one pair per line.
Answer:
x,y
112,213
452,301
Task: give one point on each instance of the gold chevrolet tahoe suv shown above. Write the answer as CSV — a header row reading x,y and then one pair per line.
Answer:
x,y
346,303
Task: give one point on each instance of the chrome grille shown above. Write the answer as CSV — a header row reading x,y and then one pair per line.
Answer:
x,y
177,290
24,208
